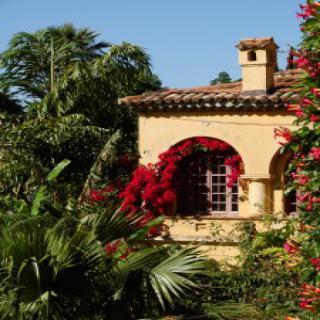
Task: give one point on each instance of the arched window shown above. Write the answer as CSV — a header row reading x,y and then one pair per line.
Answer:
x,y
278,168
252,56
203,187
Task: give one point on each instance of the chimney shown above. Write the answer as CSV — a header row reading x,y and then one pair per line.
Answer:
x,y
258,59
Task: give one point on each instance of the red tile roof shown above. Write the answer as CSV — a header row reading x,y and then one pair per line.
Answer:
x,y
228,96
254,43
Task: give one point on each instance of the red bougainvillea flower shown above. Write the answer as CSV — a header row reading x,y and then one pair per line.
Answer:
x,y
306,304
96,195
283,133
291,247
296,108
315,153
316,92
308,10
309,296
314,118
316,263
300,178
112,247
152,189
306,102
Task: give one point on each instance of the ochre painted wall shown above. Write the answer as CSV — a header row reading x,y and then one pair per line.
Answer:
x,y
250,133
219,238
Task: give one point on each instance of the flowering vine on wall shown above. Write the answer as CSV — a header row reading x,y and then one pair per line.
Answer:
x,y
304,169
153,188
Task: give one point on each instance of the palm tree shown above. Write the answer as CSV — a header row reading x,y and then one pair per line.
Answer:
x,y
54,265
72,82
34,62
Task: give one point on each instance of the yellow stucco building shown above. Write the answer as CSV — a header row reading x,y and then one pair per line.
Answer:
x,y
244,115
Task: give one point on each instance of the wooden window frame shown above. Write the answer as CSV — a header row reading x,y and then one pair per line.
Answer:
x,y
215,186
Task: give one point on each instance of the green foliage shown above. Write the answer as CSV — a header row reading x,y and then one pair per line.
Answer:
x,y
233,311
262,286
70,103
54,264
33,60
223,77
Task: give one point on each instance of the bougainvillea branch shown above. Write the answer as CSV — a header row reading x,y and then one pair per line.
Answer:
x,y
153,188
304,168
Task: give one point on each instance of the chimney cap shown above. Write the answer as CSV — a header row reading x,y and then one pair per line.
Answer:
x,y
255,43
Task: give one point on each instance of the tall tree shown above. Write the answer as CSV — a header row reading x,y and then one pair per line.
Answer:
x,y
33,62
223,77
72,84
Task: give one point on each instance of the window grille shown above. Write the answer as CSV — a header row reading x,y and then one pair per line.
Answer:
x,y
203,186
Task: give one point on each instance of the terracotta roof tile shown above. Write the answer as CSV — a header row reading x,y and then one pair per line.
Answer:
x,y
254,43
226,95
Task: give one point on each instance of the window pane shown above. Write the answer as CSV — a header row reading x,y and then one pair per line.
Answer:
x,y
215,197
202,188
235,207
215,179
215,188
202,179
194,191
214,169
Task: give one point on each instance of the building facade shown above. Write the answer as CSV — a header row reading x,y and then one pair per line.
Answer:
x,y
242,114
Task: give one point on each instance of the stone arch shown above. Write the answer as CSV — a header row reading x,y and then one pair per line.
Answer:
x,y
210,166
252,56
278,167
242,154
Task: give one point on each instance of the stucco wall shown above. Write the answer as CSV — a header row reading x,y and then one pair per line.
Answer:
x,y
219,238
250,133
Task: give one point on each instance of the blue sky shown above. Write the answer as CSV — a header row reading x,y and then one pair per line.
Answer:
x,y
189,41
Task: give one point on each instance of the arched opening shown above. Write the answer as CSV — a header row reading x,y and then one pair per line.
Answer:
x,y
252,56
204,185
287,203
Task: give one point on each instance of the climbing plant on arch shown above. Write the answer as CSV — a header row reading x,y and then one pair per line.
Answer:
x,y
153,188
304,247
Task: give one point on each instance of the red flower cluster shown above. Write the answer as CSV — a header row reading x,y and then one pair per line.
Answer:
x,y
152,189
291,247
315,153
308,10
309,297
314,118
302,61
97,195
112,249
308,199
296,108
307,150
301,179
316,263
283,133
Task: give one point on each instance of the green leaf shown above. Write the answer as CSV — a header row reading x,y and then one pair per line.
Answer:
x,y
140,234
55,172
39,198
